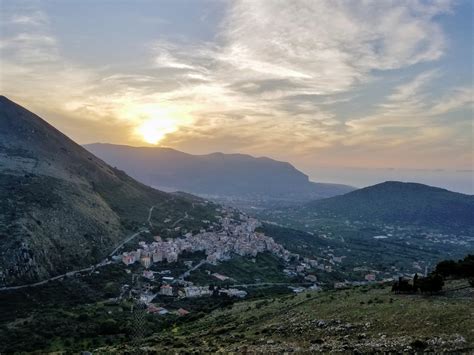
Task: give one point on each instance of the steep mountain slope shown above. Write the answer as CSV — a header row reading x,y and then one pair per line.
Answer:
x,y
60,206
215,174
398,202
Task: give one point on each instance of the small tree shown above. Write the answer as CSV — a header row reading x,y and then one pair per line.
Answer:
x,y
415,283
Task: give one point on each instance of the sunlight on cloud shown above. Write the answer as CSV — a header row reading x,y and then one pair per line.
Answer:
x,y
154,122
270,82
154,130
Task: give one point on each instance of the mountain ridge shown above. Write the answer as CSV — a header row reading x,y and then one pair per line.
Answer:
x,y
62,208
215,173
401,202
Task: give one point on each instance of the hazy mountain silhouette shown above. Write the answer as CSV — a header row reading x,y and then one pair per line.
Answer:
x,y
215,174
401,203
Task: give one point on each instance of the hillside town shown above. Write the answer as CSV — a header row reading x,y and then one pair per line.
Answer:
x,y
235,237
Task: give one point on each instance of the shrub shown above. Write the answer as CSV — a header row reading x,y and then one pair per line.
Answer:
x,y
108,326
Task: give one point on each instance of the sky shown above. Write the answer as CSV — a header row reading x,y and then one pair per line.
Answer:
x,y
353,92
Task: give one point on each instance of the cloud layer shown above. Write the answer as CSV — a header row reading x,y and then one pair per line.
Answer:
x,y
271,82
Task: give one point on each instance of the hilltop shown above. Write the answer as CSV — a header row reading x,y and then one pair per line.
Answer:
x,y
236,176
399,203
61,207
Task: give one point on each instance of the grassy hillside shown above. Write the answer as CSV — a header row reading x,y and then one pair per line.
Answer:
x,y
398,202
75,317
361,319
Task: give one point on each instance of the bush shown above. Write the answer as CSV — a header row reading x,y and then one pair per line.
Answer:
x,y
460,269
109,326
419,344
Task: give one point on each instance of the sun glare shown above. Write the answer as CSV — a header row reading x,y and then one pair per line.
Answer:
x,y
154,130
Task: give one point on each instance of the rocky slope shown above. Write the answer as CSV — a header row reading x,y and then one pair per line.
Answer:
x,y
358,320
60,206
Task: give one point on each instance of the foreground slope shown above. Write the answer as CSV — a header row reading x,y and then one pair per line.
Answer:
x,y
399,202
60,206
215,174
360,320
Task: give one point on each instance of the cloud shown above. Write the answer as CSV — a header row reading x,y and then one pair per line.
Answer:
x,y
271,82
410,106
460,97
406,126
34,18
279,68
329,46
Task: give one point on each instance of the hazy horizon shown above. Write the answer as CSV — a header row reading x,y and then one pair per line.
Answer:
x,y
454,180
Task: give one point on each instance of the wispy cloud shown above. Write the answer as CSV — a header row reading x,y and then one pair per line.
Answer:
x,y
270,82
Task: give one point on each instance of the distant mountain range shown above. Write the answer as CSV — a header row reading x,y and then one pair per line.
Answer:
x,y
60,206
219,175
399,203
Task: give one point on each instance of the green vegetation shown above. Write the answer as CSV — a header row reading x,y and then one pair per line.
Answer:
x,y
61,208
79,313
434,282
264,268
398,202
403,249
363,319
457,269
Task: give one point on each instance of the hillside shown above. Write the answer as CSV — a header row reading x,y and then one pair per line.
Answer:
x,y
84,314
60,206
217,174
398,202
361,320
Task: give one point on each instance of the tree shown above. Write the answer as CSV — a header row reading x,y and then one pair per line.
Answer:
x,y
446,268
432,283
415,283
402,286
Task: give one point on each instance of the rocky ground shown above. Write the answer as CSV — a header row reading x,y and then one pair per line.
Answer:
x,y
359,320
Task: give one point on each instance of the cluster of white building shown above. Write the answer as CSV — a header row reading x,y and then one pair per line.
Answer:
x,y
235,238
199,291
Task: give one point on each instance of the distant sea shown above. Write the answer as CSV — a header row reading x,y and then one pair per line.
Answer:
x,y
458,180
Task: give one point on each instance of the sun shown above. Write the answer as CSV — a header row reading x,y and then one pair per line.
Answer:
x,y
154,130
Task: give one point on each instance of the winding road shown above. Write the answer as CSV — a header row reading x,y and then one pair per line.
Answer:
x,y
103,263
274,284
179,220
186,273
126,241
149,216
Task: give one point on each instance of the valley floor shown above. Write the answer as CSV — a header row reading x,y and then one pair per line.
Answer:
x,y
362,319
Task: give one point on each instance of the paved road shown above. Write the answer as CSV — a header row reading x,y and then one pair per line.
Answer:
x,y
126,241
58,277
274,284
179,220
149,216
186,274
